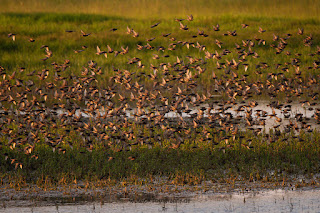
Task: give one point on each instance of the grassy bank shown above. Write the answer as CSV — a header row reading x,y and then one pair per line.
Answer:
x,y
191,163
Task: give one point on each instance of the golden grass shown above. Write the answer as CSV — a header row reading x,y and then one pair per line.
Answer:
x,y
168,8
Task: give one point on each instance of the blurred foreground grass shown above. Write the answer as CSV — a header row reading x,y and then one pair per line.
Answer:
x,y
168,8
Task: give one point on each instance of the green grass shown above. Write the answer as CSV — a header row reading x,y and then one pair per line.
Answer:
x,y
280,158
248,155
49,29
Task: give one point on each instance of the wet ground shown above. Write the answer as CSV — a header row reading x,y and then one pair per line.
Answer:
x,y
299,194
288,200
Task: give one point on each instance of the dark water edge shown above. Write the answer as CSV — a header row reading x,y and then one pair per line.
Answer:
x,y
257,200
160,191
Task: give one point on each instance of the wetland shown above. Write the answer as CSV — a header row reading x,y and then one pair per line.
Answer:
x,y
140,106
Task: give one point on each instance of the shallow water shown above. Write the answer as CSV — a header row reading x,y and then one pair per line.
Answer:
x,y
307,112
261,201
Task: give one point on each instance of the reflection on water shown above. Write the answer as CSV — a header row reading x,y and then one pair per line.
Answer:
x,y
263,201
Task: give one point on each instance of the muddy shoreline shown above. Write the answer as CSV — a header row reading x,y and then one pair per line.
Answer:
x,y
161,192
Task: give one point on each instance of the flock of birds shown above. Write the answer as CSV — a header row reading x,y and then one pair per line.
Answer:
x,y
164,104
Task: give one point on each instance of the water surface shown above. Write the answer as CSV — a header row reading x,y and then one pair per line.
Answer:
x,y
258,201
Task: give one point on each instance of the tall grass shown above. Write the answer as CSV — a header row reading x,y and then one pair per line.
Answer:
x,y
282,158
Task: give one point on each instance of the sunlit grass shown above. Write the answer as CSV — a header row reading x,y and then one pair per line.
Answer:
x,y
49,29
166,8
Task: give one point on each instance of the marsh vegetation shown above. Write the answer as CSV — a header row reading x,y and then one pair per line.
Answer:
x,y
86,96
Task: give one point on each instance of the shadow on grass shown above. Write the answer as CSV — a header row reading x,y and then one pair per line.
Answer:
x,y
38,18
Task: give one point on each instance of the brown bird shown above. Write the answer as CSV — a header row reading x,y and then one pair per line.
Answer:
x,y
244,25
12,36
84,34
216,28
300,31
190,18
135,34
99,52
218,43
155,25
261,30
183,27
